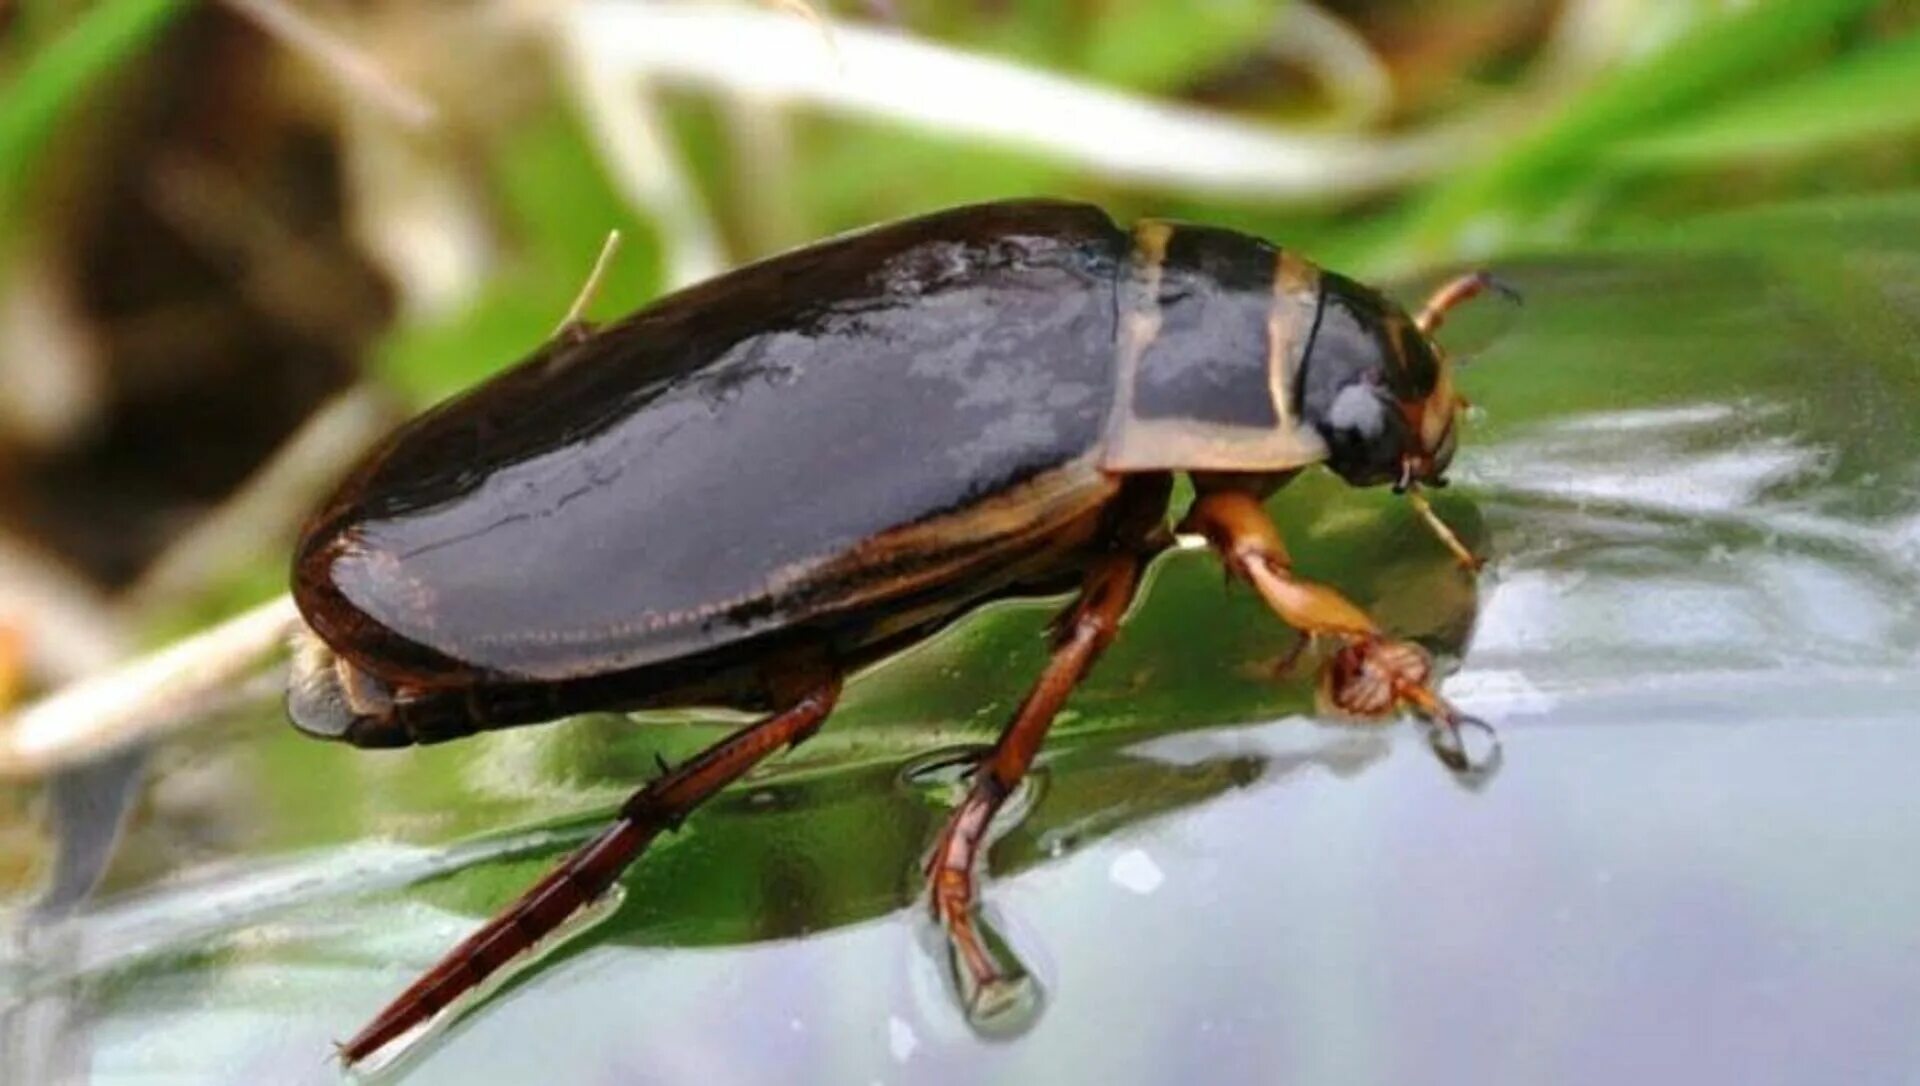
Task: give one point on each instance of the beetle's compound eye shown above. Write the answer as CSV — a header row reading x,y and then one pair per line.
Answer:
x,y
1361,409
1366,433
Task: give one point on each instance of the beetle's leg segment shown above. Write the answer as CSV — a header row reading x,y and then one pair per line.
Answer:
x,y
1371,675
1455,292
1467,559
1082,633
589,871
1242,534
574,327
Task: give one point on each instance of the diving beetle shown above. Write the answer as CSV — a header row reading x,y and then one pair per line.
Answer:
x,y
752,488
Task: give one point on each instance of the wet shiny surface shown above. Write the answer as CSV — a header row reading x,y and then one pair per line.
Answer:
x,y
691,475
1699,480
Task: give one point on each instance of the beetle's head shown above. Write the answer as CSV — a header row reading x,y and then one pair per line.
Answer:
x,y
1380,390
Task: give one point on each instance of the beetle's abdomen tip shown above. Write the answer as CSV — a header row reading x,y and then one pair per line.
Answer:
x,y
315,701
324,696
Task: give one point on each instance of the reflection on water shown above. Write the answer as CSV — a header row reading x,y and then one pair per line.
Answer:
x,y
1694,534
1700,636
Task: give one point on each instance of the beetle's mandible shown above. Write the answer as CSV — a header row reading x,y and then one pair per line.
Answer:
x,y
756,486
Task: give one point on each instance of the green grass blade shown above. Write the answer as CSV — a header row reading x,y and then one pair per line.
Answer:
x,y
1872,94
55,79
1541,170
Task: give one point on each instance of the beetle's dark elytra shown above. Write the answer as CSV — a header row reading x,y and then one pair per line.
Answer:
x,y
746,491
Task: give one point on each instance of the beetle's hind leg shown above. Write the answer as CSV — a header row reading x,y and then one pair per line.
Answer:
x,y
807,686
1372,675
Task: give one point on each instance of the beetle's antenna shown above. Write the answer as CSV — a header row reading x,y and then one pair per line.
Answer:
x,y
574,318
1452,541
1457,292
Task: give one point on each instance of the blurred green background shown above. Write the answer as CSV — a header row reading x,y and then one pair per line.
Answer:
x,y
240,240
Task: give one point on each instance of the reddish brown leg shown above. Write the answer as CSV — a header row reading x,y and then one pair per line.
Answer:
x,y
589,871
1371,675
1082,633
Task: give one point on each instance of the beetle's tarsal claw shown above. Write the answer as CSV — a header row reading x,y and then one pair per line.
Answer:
x,y
1005,1006
997,992
1466,745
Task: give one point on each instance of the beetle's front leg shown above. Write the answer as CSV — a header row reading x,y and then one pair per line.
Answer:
x,y
1372,674
1083,632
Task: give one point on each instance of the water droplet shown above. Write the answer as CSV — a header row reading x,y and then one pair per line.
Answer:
x,y
901,1040
1135,870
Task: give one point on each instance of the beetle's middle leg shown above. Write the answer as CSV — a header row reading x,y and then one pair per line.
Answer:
x,y
1133,531
1084,630
1372,674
